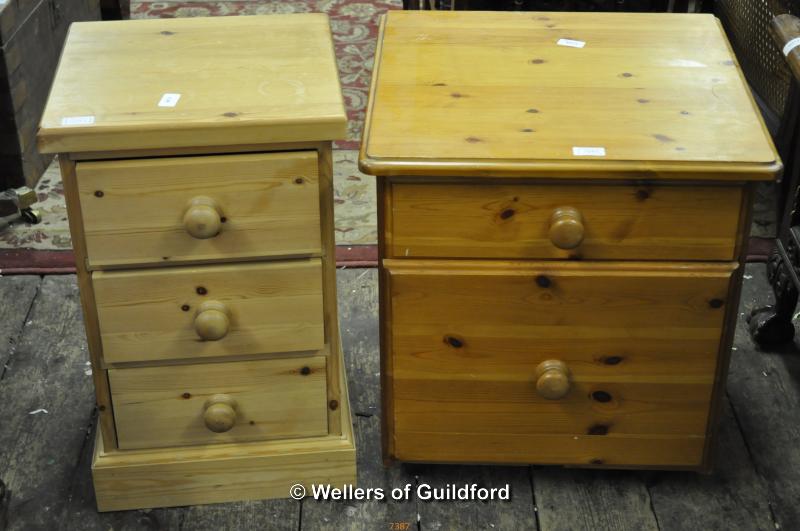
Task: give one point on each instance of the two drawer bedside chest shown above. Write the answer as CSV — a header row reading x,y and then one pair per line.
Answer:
x,y
563,205
196,158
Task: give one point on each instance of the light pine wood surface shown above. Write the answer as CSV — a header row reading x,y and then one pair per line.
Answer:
x,y
152,314
514,221
157,407
640,343
264,205
491,94
256,79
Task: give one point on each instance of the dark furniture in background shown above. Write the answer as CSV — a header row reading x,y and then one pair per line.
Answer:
x,y
31,36
772,325
115,9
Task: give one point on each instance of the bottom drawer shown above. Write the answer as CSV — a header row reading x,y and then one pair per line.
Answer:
x,y
219,402
631,352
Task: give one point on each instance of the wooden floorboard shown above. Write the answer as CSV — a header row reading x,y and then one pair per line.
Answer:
x,y
44,458
47,371
764,391
569,499
734,493
358,316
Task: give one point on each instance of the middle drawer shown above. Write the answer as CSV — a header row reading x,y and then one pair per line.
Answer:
x,y
210,311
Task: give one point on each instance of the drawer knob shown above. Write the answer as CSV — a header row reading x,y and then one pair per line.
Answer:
x,y
220,413
566,228
552,379
202,219
212,320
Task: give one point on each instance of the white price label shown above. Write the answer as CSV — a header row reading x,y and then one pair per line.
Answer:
x,y
571,43
169,100
578,151
77,120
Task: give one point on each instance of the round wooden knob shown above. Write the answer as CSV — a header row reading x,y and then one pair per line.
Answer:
x,y
220,413
552,379
212,320
566,228
202,219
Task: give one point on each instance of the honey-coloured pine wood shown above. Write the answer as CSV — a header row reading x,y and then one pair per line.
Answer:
x,y
204,235
225,402
638,344
550,305
521,221
189,209
494,94
281,85
158,314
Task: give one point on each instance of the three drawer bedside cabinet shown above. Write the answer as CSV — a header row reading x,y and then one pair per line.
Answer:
x,y
196,158
563,209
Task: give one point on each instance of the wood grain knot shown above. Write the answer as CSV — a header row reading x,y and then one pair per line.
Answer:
x,y
526,130
167,32
642,195
439,85
299,180
507,213
543,281
305,371
186,396
99,193
473,139
457,95
612,360
230,114
715,303
333,404
532,111
454,341
643,100
626,74
537,61
601,396
685,113
596,461
185,307
597,429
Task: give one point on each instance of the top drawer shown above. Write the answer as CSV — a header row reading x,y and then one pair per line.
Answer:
x,y
613,222
172,210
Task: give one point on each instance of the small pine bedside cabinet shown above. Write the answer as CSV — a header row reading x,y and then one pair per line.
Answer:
x,y
196,158
563,205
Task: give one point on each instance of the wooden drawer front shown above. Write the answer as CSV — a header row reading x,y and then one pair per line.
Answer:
x,y
267,399
162,314
640,343
514,221
138,211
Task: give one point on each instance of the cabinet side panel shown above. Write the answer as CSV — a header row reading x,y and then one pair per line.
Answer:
x,y
99,375
335,396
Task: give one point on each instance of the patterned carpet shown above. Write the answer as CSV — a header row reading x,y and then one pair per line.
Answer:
x,y
354,26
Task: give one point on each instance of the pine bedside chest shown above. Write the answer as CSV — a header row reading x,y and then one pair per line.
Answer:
x,y
563,205
196,157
